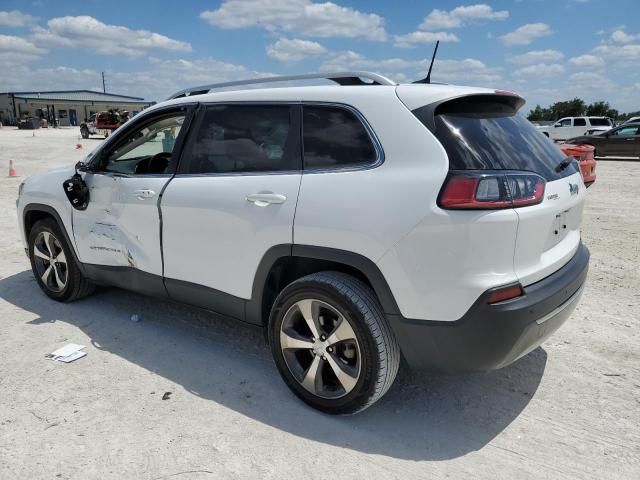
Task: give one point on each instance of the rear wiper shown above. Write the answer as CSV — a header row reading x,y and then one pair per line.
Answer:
x,y
564,164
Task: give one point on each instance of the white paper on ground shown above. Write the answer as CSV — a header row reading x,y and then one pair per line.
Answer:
x,y
68,353
72,357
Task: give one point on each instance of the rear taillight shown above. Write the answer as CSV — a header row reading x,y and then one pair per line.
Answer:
x,y
503,294
491,190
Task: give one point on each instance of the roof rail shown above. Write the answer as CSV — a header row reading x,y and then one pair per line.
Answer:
x,y
341,78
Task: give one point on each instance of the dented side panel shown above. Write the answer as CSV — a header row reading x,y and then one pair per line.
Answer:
x,y
121,226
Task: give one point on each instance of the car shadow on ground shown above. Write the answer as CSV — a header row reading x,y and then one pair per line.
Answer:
x,y
422,417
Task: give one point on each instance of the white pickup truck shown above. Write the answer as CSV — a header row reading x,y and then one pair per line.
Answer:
x,y
570,127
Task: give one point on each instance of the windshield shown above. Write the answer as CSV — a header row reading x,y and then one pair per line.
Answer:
x,y
482,140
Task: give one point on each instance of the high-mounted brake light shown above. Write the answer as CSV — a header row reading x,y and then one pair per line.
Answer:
x,y
491,190
505,293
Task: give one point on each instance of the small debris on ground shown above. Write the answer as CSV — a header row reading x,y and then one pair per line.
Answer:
x,y
68,353
166,395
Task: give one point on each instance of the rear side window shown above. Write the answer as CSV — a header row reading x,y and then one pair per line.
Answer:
x,y
334,137
485,134
600,122
579,122
244,139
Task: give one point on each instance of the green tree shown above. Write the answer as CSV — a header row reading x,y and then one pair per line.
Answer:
x,y
602,109
571,108
540,114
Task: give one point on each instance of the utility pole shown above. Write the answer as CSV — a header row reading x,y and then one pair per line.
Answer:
x,y
104,88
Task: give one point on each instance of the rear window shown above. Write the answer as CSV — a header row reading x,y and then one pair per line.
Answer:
x,y
600,122
480,134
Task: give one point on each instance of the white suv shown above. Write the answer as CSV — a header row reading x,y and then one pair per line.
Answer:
x,y
357,223
570,127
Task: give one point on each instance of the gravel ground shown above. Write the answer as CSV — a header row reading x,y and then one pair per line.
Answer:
x,y
570,409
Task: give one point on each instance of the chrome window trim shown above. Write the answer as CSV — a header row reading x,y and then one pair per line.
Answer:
x,y
380,156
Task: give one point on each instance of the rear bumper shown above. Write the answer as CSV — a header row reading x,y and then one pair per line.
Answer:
x,y
493,336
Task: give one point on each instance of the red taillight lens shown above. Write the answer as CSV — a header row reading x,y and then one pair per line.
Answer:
x,y
491,190
505,293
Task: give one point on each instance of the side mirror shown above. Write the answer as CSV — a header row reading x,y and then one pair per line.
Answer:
x,y
85,167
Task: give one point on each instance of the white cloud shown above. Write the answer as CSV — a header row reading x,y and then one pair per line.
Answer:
x,y
541,70
14,18
587,61
589,81
525,34
460,16
90,33
467,71
621,36
536,56
411,39
17,50
618,52
154,82
303,17
293,50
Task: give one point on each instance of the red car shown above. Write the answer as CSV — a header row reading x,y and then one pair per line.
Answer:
x,y
585,156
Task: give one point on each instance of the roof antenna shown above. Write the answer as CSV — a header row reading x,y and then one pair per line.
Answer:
x,y
427,79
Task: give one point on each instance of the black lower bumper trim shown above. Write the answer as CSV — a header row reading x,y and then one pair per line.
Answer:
x,y
493,336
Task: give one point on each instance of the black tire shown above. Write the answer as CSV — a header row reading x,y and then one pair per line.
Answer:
x,y
76,286
377,348
84,131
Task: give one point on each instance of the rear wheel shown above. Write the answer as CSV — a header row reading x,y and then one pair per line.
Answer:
x,y
332,343
53,264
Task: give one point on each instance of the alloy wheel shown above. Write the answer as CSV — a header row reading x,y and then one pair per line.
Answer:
x,y
320,348
50,261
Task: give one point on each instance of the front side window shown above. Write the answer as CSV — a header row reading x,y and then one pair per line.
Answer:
x,y
564,123
334,137
147,150
245,139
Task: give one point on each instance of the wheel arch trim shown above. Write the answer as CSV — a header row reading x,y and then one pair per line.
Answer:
x,y
253,308
48,209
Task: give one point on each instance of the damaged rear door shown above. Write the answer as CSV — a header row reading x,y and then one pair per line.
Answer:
x,y
121,226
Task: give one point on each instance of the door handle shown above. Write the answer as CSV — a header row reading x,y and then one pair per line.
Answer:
x,y
144,194
265,199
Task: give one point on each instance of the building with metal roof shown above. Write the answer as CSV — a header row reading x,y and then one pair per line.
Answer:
x,y
66,107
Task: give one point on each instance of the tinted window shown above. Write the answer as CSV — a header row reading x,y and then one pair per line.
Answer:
x,y
488,137
600,122
579,122
335,137
245,138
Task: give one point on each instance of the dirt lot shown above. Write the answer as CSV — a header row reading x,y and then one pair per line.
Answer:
x,y
571,409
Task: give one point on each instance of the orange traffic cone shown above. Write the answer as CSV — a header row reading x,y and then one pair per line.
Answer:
x,y
78,146
12,171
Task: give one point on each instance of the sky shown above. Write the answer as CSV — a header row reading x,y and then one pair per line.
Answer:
x,y
546,50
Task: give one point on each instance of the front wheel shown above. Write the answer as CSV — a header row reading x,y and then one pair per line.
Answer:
x,y
84,131
53,264
332,343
